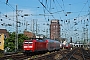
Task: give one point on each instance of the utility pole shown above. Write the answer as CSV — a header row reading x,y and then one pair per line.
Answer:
x,y
36,27
47,32
16,40
26,25
84,32
87,28
33,25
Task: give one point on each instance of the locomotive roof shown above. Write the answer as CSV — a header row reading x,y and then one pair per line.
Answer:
x,y
42,40
37,39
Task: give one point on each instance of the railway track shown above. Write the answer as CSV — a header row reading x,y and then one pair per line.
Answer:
x,y
40,56
55,55
52,56
77,54
17,56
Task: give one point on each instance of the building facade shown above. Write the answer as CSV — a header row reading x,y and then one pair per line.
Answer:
x,y
2,41
3,34
4,31
55,29
29,34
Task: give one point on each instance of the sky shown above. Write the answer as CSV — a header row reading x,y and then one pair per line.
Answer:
x,y
73,15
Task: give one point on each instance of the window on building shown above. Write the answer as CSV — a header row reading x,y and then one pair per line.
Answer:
x,y
5,36
53,32
0,36
54,26
0,43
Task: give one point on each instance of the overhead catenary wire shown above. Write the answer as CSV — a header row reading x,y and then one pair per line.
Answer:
x,y
46,8
57,9
6,16
82,8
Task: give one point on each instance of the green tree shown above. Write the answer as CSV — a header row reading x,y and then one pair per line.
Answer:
x,y
21,38
10,42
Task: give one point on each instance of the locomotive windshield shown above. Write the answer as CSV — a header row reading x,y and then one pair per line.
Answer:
x,y
28,42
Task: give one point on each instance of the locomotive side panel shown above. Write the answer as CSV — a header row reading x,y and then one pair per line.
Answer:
x,y
40,46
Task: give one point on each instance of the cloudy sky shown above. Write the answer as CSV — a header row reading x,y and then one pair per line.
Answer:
x,y
73,15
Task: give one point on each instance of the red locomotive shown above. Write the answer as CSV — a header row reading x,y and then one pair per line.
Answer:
x,y
36,45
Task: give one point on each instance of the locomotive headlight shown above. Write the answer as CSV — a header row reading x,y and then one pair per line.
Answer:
x,y
30,46
25,46
60,45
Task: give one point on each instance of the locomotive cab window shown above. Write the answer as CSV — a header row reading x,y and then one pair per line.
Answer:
x,y
28,42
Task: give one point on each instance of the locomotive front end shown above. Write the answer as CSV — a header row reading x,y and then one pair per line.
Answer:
x,y
28,46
